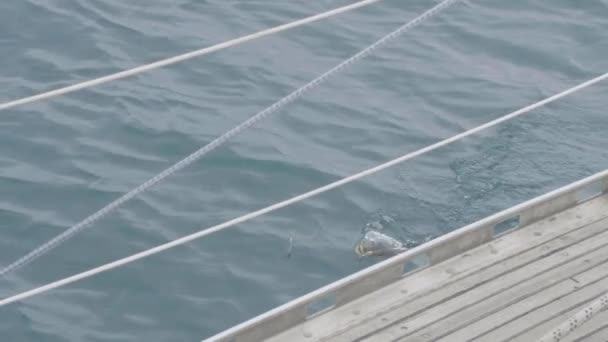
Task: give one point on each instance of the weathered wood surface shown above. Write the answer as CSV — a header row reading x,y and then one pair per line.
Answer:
x,y
515,288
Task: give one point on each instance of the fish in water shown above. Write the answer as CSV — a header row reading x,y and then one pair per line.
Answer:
x,y
375,243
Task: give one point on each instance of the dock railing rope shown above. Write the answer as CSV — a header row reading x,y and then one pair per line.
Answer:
x,y
247,217
87,222
184,57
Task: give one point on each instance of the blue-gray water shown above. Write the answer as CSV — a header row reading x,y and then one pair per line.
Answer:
x,y
64,158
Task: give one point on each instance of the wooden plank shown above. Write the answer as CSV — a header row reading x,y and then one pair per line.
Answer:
x,y
499,292
488,258
520,247
594,330
539,329
484,276
552,302
521,297
600,335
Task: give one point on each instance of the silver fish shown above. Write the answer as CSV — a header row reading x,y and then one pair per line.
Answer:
x,y
375,243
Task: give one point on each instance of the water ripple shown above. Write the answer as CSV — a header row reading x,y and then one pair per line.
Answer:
x,y
65,158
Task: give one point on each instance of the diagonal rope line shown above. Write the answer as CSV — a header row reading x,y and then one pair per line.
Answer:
x,y
293,200
185,56
54,242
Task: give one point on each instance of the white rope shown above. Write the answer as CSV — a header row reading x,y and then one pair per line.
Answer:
x,y
577,320
54,242
185,56
276,206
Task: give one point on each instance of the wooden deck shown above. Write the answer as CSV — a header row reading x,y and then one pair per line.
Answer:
x,y
514,276
514,288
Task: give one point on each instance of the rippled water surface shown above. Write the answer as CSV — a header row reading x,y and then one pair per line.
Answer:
x,y
63,159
